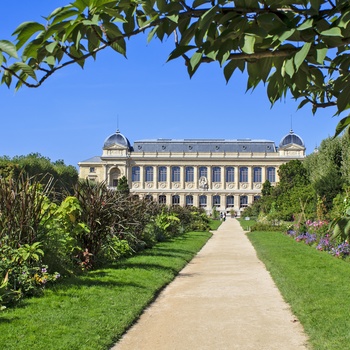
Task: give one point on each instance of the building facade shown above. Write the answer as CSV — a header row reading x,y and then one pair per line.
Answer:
x,y
207,173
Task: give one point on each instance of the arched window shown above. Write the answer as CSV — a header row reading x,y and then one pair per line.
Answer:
x,y
135,173
189,201
216,201
162,174
175,200
230,201
257,174
114,175
202,171
175,174
189,174
243,201
202,201
216,174
271,174
230,174
256,198
149,173
162,199
149,197
243,174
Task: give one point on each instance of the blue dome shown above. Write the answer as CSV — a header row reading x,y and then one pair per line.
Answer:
x,y
291,138
116,139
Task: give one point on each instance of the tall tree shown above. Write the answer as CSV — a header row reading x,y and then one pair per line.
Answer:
x,y
300,46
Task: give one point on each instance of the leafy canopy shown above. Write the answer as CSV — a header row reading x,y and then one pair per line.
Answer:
x,y
295,46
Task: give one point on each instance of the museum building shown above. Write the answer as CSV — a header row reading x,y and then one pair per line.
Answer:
x,y
207,173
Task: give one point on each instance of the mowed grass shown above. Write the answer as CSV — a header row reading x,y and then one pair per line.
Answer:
x,y
315,284
214,224
93,311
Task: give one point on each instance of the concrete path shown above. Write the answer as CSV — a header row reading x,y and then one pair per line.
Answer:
x,y
223,299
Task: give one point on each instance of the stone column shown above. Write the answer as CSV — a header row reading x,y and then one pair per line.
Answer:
x,y
142,176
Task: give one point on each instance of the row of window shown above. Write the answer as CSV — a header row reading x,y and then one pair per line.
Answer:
x,y
216,200
203,171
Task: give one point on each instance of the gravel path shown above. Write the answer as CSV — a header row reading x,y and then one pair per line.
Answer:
x,y
223,299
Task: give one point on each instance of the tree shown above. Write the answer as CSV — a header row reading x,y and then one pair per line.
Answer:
x,y
62,177
296,46
123,186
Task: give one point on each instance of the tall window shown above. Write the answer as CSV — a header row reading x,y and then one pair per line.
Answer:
x,y
256,198
175,174
162,174
162,199
149,197
216,174
243,201
257,174
202,201
216,201
230,201
135,173
271,174
230,174
189,201
175,200
243,174
149,173
189,174
203,171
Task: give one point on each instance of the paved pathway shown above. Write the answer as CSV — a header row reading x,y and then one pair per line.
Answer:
x,y
223,299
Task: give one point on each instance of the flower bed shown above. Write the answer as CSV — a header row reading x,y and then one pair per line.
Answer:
x,y
317,234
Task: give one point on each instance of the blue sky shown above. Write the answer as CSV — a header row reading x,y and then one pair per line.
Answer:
x,y
70,116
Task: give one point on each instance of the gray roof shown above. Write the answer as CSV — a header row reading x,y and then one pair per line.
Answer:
x,y
95,159
204,145
291,138
116,138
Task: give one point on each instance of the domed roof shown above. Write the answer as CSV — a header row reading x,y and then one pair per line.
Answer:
x,y
116,139
291,138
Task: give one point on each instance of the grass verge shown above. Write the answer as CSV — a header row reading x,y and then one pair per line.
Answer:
x,y
314,284
214,224
93,311
246,224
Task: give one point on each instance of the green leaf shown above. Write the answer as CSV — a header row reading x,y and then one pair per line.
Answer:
x,y
179,51
249,42
120,46
9,48
25,31
25,68
345,122
335,31
321,54
343,100
289,67
51,47
1,58
195,60
231,67
6,78
303,103
301,55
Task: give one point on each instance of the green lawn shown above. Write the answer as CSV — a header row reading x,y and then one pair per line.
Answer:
x,y
93,311
214,224
315,284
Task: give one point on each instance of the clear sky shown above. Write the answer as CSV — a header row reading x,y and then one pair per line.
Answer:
x,y
71,115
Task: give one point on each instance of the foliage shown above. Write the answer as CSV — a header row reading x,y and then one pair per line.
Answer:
x,y
123,186
62,178
296,46
98,213
22,271
22,208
